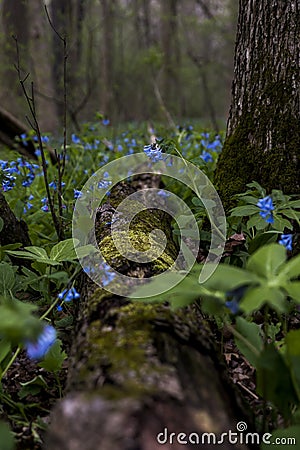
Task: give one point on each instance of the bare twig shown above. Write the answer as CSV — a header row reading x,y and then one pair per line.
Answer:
x,y
61,165
33,121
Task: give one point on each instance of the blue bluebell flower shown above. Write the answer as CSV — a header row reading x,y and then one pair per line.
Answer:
x,y
68,295
104,184
77,194
154,152
234,297
287,241
105,122
39,348
266,207
206,157
75,139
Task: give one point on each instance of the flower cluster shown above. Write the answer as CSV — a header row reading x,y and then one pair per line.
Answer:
x,y
287,241
19,167
266,207
67,295
39,348
206,156
154,152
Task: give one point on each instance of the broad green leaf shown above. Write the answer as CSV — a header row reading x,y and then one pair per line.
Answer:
x,y
280,224
291,269
64,250
6,437
258,222
226,277
5,349
293,290
262,239
38,251
267,260
54,358
247,210
256,297
274,381
32,387
292,341
86,250
7,277
250,343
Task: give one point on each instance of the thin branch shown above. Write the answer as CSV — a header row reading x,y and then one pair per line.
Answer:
x,y
36,128
62,164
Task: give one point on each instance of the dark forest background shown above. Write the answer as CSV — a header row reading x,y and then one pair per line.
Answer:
x,y
127,59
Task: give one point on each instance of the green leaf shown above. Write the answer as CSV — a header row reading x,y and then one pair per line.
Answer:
x,y
280,224
6,437
7,277
256,297
85,250
32,387
274,381
258,222
291,269
267,260
293,290
5,349
292,341
251,342
262,239
226,278
37,251
54,358
247,210
1,224
64,250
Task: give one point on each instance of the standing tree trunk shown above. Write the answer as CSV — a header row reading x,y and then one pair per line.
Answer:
x,y
263,134
108,52
39,49
171,58
138,369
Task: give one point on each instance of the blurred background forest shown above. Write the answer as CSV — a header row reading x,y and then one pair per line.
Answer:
x,y
130,60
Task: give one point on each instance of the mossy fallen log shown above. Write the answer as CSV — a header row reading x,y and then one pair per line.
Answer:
x,y
140,372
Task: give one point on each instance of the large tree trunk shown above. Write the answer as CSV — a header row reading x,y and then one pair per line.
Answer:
x,y
263,135
108,55
137,369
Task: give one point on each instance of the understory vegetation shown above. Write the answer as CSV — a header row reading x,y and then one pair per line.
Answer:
x,y
251,300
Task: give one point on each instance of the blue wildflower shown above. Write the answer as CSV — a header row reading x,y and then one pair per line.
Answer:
x,y
206,157
24,139
103,184
266,207
105,122
287,241
234,297
75,139
68,295
77,194
154,152
39,348
59,308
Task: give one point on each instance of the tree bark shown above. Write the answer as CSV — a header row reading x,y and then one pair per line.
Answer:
x,y
13,230
137,369
108,54
263,135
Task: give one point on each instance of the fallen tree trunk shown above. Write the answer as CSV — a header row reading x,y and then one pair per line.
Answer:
x,y
10,128
141,374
